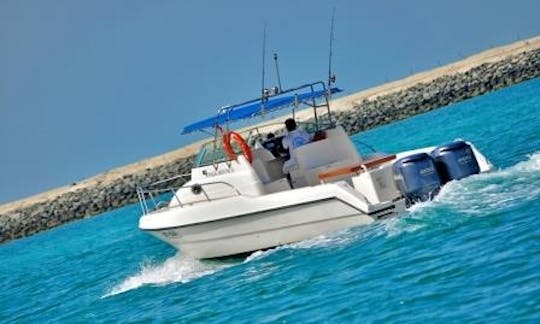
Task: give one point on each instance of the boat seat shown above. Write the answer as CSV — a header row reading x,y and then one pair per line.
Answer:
x,y
336,150
312,175
336,147
276,186
354,169
263,154
267,167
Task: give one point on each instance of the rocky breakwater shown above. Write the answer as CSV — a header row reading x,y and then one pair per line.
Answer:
x,y
398,100
90,197
439,92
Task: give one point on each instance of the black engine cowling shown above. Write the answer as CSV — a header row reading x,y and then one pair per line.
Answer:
x,y
416,177
455,161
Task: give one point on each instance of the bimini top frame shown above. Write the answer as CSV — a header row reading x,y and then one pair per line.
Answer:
x,y
271,101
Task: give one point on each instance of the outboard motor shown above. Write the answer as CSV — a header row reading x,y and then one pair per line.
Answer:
x,y
416,177
455,161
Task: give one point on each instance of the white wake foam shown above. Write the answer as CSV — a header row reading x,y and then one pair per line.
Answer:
x,y
260,254
484,193
179,269
340,238
478,195
499,190
391,227
175,269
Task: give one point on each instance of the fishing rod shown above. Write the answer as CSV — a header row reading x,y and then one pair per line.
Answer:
x,y
264,92
280,89
331,76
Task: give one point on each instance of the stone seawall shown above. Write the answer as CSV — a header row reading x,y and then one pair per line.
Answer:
x,y
118,187
440,92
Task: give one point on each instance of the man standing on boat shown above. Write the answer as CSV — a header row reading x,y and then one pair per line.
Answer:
x,y
295,138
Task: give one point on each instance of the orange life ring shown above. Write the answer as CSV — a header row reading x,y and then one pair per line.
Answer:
x,y
246,150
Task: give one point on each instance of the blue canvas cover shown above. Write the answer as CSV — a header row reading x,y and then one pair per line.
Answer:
x,y
254,108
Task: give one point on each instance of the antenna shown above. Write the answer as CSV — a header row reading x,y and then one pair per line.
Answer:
x,y
277,73
264,92
331,77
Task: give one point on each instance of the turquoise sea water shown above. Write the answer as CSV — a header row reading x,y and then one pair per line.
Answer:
x,y
472,254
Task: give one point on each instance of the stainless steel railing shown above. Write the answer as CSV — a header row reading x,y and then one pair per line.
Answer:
x,y
149,197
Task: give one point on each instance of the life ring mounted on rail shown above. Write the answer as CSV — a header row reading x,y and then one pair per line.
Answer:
x,y
227,146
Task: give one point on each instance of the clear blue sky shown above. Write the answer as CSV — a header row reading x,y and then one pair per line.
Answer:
x,y
87,86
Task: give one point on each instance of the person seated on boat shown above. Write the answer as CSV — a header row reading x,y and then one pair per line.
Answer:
x,y
295,138
274,145
269,143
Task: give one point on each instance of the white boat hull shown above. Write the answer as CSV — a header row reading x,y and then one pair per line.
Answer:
x,y
238,203
263,222
236,215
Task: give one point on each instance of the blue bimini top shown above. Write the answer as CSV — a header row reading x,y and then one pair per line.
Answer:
x,y
254,108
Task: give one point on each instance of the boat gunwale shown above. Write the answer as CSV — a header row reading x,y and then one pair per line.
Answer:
x,y
292,205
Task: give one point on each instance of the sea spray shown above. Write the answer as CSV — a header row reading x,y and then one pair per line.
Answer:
x,y
176,269
497,191
183,269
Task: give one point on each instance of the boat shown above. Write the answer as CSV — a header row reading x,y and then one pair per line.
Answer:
x,y
238,199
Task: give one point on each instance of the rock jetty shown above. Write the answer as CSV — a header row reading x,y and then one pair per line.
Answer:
x,y
490,70
440,92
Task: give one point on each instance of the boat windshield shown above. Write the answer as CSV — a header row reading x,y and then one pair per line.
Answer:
x,y
210,153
